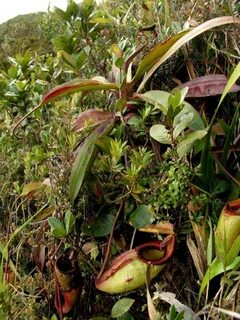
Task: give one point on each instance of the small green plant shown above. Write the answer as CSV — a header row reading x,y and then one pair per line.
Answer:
x,y
174,315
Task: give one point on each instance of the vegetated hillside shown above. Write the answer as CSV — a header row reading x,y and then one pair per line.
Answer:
x,y
30,32
110,174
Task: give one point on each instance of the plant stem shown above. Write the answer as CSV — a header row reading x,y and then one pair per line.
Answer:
x,y
110,241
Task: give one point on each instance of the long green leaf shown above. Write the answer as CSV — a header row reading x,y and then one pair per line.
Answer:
x,y
153,56
229,137
233,78
206,160
215,269
5,256
158,55
80,166
210,244
83,159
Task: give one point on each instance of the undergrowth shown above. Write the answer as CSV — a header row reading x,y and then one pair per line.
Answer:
x,y
93,171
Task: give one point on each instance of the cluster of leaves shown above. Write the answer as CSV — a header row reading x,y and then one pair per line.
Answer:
x,y
30,32
106,145
173,186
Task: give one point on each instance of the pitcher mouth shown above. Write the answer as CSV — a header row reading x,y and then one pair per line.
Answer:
x,y
233,208
156,252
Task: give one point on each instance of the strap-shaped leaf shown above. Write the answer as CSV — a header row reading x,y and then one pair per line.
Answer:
x,y
96,83
215,269
209,85
162,52
84,157
153,56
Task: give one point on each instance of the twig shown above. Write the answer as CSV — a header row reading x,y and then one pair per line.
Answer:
x,y
25,117
227,173
120,198
156,148
110,241
133,237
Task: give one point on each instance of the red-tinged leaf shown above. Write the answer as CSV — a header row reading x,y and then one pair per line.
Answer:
x,y
84,157
30,190
97,83
39,256
44,214
209,85
145,7
157,56
90,118
82,85
39,249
